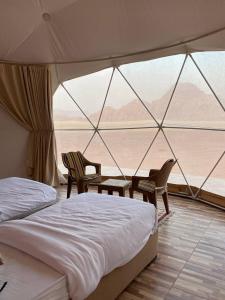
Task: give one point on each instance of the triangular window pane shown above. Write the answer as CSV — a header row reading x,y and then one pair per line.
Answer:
x,y
154,81
158,154
66,115
68,141
197,151
216,182
89,92
122,108
193,103
97,152
212,65
128,146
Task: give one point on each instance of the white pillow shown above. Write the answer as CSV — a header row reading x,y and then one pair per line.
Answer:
x,y
20,197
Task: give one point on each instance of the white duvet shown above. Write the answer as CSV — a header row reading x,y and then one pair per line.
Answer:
x,y
84,237
20,197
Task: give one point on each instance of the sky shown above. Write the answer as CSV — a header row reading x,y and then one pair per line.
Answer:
x,y
150,79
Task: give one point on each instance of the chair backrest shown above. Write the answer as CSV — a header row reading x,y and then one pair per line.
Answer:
x,y
164,172
73,161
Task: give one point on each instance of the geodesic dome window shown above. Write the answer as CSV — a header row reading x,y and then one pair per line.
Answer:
x,y
134,117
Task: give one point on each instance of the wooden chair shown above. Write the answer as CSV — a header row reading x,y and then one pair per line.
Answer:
x,y
154,184
76,163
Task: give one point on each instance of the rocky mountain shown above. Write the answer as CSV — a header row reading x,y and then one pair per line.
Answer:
x,y
188,104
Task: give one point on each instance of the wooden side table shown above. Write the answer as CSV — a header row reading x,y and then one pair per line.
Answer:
x,y
114,185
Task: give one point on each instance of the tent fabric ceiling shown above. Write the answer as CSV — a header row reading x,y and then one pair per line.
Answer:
x,y
96,34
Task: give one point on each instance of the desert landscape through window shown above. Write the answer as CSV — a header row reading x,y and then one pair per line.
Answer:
x,y
134,117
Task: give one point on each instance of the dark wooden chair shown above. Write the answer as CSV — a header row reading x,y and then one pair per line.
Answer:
x,y
76,164
153,185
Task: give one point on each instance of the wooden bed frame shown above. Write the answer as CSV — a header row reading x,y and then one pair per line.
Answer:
x,y
115,282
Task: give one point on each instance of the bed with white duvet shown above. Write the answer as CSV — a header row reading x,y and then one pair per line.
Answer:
x,y
74,243
20,197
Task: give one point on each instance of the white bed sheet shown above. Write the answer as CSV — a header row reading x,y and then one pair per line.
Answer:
x,y
20,197
84,237
28,278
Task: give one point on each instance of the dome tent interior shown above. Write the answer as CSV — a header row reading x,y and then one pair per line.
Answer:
x,y
133,86
134,82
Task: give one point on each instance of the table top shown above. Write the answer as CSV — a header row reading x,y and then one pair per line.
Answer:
x,y
115,183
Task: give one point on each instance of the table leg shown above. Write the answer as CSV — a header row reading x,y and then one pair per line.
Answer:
x,y
122,193
131,192
145,198
99,190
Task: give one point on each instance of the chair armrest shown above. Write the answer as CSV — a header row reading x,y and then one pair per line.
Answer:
x,y
135,180
96,165
97,168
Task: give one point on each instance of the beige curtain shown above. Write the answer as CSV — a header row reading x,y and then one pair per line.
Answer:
x,y
25,93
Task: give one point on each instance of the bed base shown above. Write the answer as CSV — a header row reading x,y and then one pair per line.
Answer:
x,y
115,282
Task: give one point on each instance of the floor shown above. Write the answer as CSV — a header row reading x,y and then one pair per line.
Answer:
x,y
191,256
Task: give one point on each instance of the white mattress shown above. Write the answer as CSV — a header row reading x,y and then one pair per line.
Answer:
x,y
21,197
84,237
28,278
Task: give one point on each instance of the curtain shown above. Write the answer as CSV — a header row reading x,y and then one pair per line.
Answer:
x,y
25,93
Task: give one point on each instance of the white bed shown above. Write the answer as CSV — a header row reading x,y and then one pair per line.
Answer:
x,y
28,278
20,197
84,238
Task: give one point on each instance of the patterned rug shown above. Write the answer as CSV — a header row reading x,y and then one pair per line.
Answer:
x,y
163,217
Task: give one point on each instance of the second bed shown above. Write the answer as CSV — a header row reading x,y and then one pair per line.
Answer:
x,y
87,247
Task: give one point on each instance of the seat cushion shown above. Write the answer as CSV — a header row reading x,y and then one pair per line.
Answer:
x,y
90,176
146,185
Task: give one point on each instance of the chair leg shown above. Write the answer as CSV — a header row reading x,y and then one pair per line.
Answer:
x,y
166,202
145,197
152,197
131,192
69,186
86,188
80,187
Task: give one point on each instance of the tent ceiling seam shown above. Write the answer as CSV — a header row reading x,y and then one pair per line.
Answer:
x,y
177,44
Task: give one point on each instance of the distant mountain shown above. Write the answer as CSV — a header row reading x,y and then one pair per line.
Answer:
x,y
189,103
132,111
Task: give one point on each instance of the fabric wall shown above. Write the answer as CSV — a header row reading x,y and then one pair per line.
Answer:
x,y
13,150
